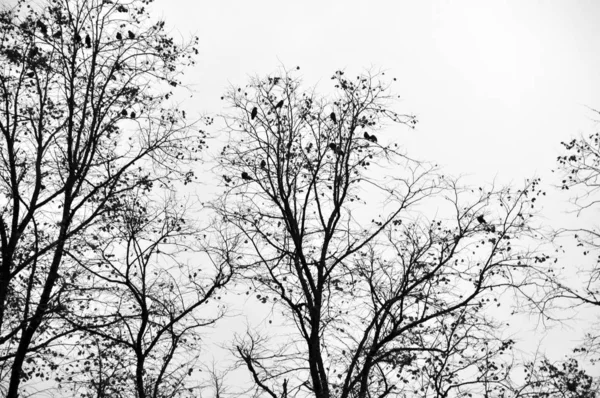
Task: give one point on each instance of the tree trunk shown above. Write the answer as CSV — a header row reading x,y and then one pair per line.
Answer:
x,y
28,333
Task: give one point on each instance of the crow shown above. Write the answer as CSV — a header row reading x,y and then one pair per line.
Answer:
x,y
279,104
332,116
119,36
122,8
13,55
373,138
77,38
124,112
33,52
42,27
88,41
246,176
367,136
132,115
254,113
130,34
332,146
481,220
263,164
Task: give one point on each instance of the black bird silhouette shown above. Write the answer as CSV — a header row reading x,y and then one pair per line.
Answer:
x,y
263,164
254,113
246,176
130,34
132,115
227,179
31,74
119,36
332,116
33,52
13,55
279,104
77,38
373,138
335,149
42,27
367,136
124,112
88,41
121,8
481,220
57,34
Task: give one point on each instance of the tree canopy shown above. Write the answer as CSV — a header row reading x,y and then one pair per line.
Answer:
x,y
382,276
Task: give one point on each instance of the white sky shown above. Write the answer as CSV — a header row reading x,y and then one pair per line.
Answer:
x,y
496,85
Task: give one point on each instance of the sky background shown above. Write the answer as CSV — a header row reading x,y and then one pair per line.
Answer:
x,y
496,85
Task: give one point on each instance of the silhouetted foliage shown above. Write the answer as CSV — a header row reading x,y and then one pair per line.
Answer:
x,y
70,155
579,169
381,297
142,300
556,380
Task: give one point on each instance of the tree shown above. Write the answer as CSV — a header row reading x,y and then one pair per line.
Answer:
x,y
84,122
147,287
561,380
579,168
380,298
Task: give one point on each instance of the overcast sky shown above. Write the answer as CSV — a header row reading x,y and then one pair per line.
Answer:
x,y
496,85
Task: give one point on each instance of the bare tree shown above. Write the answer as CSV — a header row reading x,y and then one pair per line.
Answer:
x,y
385,269
84,121
147,286
547,379
578,287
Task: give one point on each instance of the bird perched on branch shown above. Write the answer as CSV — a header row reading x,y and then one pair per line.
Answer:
x,y
263,164
370,137
254,113
335,149
119,36
42,27
488,227
131,34
88,41
333,118
279,104
246,176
